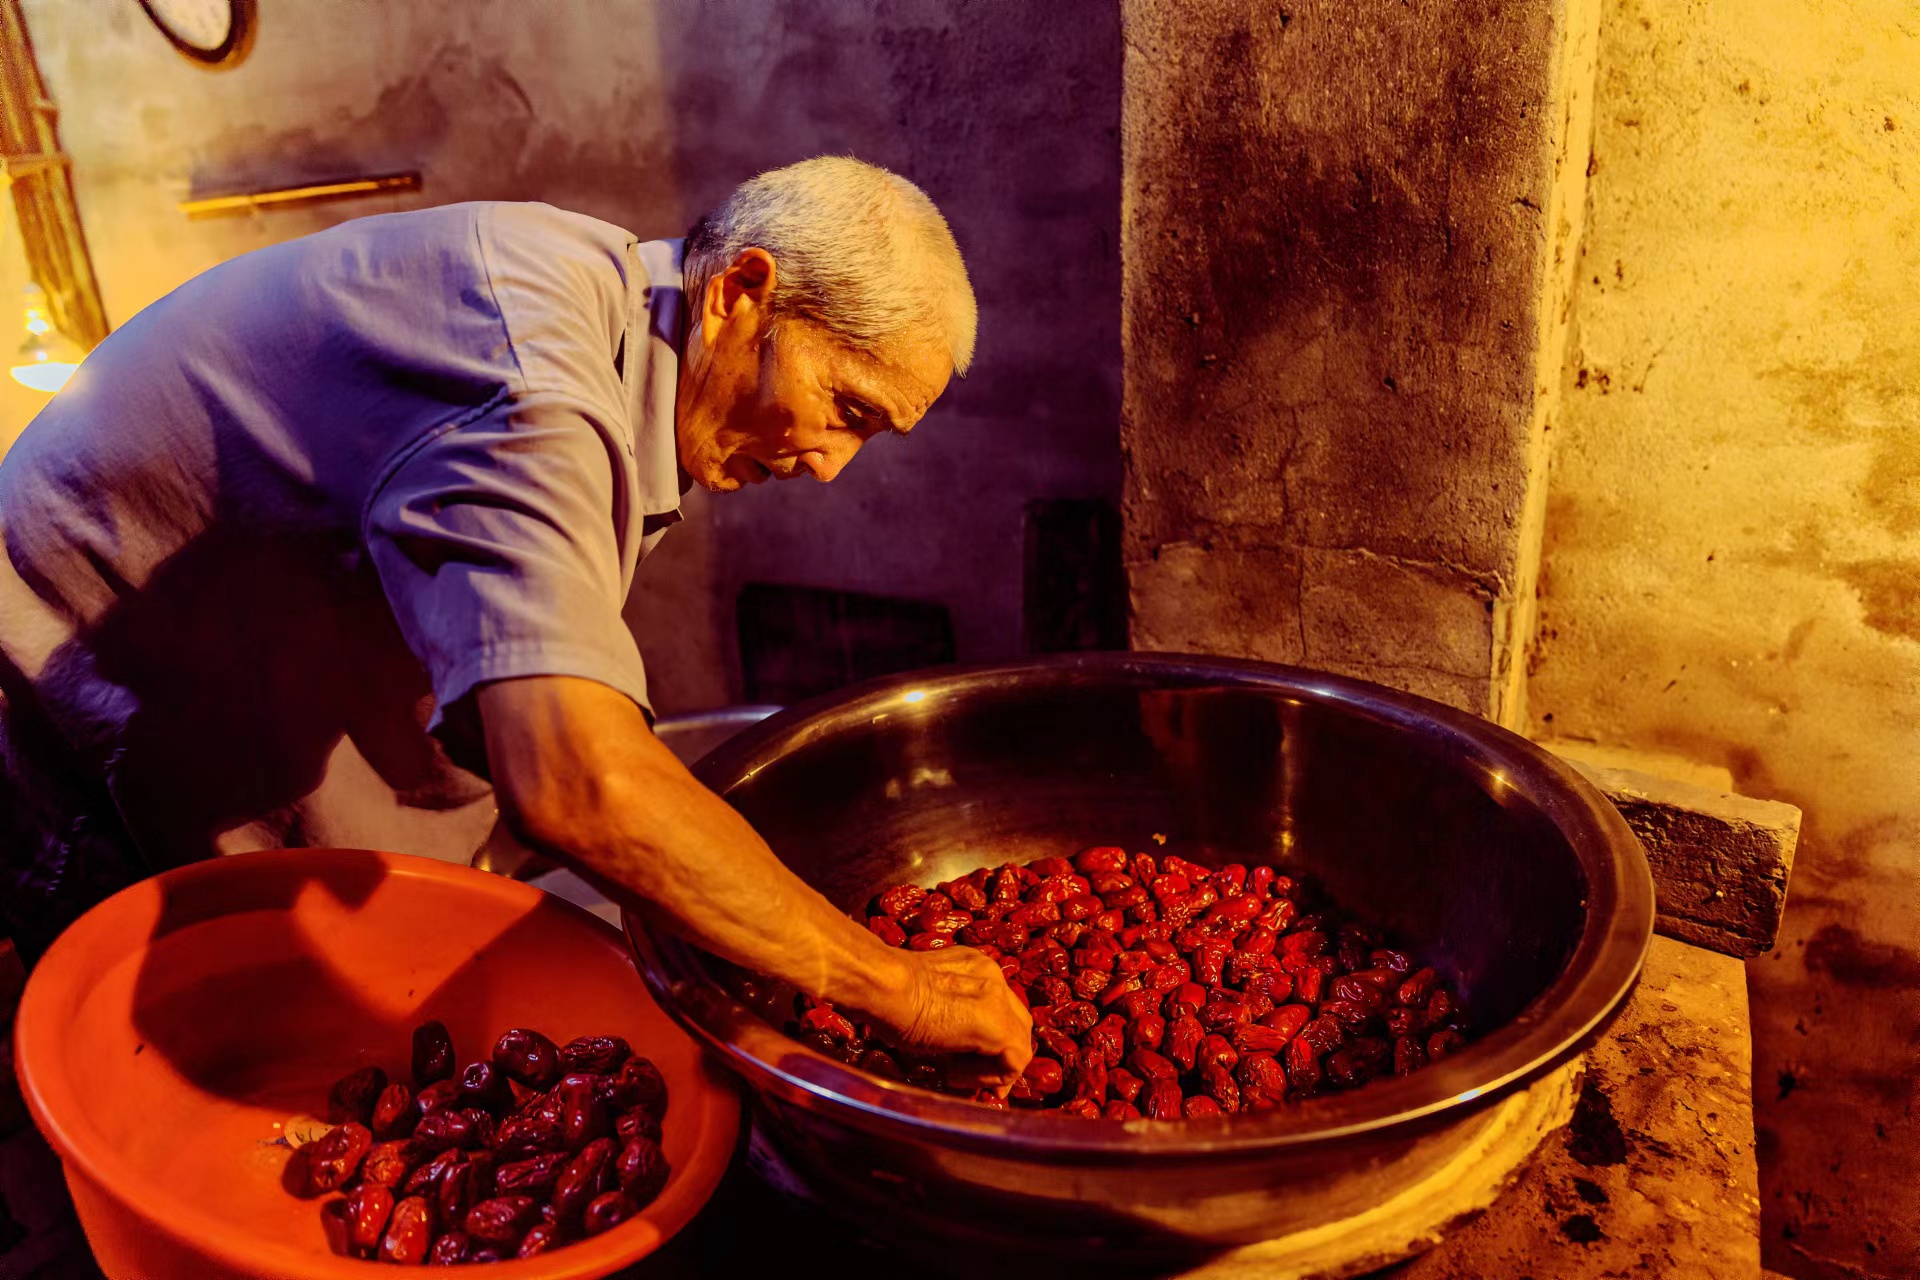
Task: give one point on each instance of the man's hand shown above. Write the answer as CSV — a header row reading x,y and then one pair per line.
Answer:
x,y
957,1001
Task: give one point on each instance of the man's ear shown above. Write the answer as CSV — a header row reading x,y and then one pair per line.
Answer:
x,y
750,276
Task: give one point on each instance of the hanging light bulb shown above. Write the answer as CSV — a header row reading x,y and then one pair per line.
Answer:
x,y
48,357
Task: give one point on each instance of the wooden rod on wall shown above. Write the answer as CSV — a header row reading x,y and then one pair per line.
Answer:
x,y
311,193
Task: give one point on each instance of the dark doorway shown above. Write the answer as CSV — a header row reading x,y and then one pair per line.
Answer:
x,y
796,642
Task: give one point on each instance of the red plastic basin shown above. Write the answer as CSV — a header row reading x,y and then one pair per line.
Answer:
x,y
168,1035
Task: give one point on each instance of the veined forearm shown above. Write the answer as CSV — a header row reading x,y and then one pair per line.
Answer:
x,y
692,857
581,777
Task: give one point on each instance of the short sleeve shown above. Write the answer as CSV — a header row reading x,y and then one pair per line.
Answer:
x,y
499,546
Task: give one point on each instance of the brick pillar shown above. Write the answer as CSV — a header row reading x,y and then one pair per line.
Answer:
x,y
1348,238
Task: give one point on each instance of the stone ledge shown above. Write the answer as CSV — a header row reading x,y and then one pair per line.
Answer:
x,y
1720,861
1657,1175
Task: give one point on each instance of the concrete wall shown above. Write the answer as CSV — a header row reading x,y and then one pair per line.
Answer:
x,y
1732,567
644,112
1348,239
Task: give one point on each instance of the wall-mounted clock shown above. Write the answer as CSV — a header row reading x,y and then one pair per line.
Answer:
x,y
214,33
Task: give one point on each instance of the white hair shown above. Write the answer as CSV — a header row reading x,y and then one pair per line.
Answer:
x,y
857,250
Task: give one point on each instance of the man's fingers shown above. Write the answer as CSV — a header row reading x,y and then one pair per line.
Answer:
x,y
976,1071
1019,1051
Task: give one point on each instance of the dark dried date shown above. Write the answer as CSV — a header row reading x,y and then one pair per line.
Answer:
x,y
394,1114
450,1250
409,1233
642,1170
333,1224
432,1053
502,1220
528,1057
485,1086
424,1180
528,1135
484,1126
335,1157
482,1164
598,1055
443,1130
605,1212
353,1096
535,1176
368,1208
387,1164
539,1239
639,1083
455,1194
583,1115
590,1173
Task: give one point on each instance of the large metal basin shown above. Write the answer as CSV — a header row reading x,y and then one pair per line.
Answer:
x,y
1488,857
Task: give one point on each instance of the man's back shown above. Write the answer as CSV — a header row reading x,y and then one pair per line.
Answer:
x,y
267,394
197,594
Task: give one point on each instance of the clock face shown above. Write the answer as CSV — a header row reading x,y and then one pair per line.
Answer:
x,y
214,32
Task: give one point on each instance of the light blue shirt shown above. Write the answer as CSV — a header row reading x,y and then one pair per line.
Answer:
x,y
280,525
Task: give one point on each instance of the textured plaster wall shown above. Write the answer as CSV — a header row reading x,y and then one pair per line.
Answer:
x,y
1347,236
645,112
1732,568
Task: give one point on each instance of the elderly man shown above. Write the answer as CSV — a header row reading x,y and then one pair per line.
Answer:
x,y
342,527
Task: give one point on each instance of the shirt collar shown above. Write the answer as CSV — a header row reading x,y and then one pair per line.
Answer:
x,y
655,302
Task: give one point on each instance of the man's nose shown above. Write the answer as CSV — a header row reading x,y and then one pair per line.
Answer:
x,y
825,464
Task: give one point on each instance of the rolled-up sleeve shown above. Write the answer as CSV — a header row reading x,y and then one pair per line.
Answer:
x,y
497,543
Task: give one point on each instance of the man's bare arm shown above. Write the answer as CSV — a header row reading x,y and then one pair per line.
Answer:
x,y
580,776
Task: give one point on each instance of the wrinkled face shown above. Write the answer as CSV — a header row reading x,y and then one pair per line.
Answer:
x,y
756,403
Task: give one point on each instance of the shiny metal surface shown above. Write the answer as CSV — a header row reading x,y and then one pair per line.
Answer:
x,y
695,733
1492,860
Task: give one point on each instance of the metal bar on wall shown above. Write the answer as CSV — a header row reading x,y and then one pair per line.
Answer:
x,y
38,174
312,193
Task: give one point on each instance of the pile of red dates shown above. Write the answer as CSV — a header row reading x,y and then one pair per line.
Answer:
x,y
539,1145
1163,988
